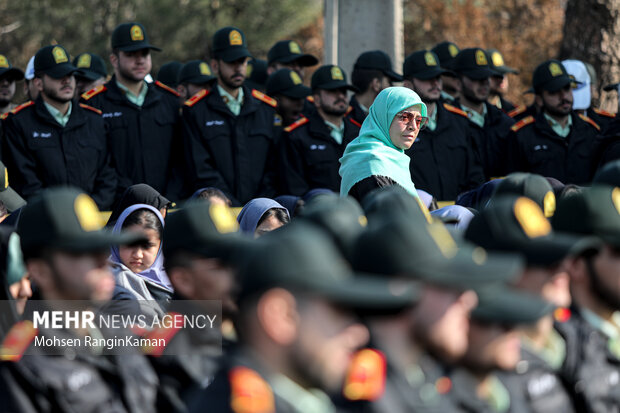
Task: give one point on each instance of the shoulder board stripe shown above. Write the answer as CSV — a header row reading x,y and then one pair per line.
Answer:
x,y
4,115
97,111
22,106
249,392
590,121
454,109
517,111
93,92
301,121
349,110
604,113
356,123
196,98
522,123
162,333
17,341
167,88
366,376
264,98
310,99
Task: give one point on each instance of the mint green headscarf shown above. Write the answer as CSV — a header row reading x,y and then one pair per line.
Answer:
x,y
372,152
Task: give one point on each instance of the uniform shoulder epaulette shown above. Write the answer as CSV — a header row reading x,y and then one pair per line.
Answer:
x,y
264,98
94,92
4,115
167,88
366,376
301,121
161,336
517,111
310,99
22,106
523,122
454,109
17,341
590,121
249,392
356,123
349,110
604,113
562,314
196,98
84,106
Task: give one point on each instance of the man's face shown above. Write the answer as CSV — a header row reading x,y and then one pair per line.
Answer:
x,y
429,90
7,90
551,283
332,102
405,127
132,66
558,103
294,66
441,321
498,84
606,281
289,108
492,346
476,91
451,84
231,74
84,85
59,90
211,279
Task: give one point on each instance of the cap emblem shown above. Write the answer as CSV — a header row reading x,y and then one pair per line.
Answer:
x,y
223,219
235,38
6,178
84,60
531,218
204,69
453,50
615,197
295,78
60,56
443,239
362,220
337,73
430,59
481,58
136,33
294,48
555,69
4,62
549,204
250,393
87,213
497,59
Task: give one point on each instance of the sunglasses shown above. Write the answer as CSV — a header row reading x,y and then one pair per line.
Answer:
x,y
407,117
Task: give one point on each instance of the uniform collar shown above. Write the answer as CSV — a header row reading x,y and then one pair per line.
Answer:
x,y
137,100
57,115
560,130
305,400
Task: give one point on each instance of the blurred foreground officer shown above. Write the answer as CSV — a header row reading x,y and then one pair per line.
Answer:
x,y
443,160
92,72
54,141
8,76
557,142
231,132
592,368
446,52
312,146
287,88
142,118
499,81
296,325
66,256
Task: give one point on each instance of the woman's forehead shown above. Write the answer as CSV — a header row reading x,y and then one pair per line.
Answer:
x,y
413,109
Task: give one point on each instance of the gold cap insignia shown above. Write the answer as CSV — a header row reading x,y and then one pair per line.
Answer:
x,y
60,56
615,197
136,33
223,218
555,69
295,78
4,62
430,59
443,239
549,204
87,213
453,50
531,218
294,48
337,73
497,59
84,60
6,178
362,220
235,38
204,69
481,58
479,255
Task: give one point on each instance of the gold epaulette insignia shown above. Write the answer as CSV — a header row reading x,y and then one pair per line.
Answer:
x,y
17,341
93,92
249,392
523,122
97,111
196,98
167,88
264,98
301,121
366,376
454,109
590,121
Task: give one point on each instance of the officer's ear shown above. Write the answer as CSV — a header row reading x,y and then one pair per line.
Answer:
x,y
38,83
539,100
215,66
408,84
376,84
182,281
41,274
182,91
114,60
578,271
278,317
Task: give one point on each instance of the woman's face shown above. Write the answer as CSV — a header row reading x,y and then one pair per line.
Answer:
x,y
142,256
405,127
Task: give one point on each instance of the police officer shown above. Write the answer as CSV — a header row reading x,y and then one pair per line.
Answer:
x,y
312,146
92,72
287,88
446,52
443,160
168,73
256,75
8,76
288,54
372,72
53,141
66,257
194,76
592,331
557,142
499,82
489,125
231,133
141,119
532,186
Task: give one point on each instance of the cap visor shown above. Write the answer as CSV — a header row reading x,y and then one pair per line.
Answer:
x,y
12,74
11,199
98,240
430,74
550,250
302,59
138,46
235,53
502,70
556,84
478,73
297,92
393,76
61,70
88,74
337,84
199,80
506,306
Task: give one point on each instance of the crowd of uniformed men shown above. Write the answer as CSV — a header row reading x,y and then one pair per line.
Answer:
x,y
508,301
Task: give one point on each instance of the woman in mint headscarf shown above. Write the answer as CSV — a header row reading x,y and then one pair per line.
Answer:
x,y
376,158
